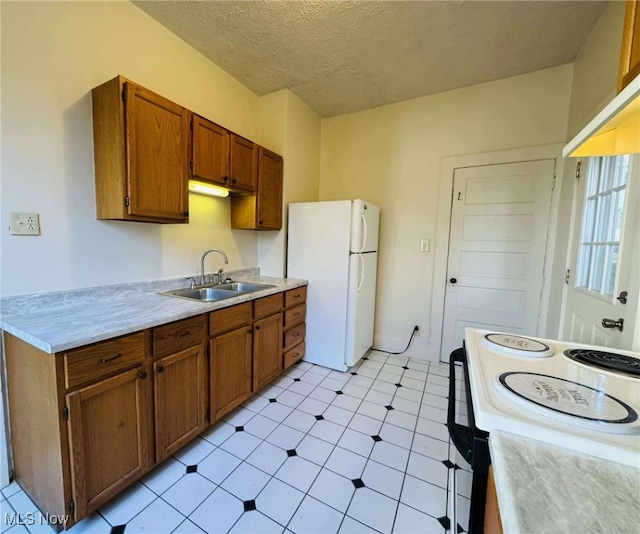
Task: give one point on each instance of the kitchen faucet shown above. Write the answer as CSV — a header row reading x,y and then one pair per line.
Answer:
x,y
226,261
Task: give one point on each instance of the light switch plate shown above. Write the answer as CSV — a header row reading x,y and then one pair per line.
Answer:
x,y
425,245
24,223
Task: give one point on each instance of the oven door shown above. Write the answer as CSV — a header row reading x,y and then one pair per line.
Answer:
x,y
471,451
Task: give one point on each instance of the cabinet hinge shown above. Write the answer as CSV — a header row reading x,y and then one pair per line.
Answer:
x,y
65,412
72,507
566,276
124,92
191,123
126,200
578,168
209,415
191,163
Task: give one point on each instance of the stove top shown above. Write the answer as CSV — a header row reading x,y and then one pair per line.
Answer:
x,y
608,361
555,398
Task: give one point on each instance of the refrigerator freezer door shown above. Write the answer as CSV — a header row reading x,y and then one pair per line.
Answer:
x,y
365,219
361,305
318,251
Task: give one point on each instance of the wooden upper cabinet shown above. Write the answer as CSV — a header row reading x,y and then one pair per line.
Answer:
x,y
630,54
243,163
210,145
141,152
270,190
262,211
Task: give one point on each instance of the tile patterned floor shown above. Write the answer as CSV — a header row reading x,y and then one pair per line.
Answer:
x,y
316,451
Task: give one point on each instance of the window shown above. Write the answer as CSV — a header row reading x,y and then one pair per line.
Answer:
x,y
602,217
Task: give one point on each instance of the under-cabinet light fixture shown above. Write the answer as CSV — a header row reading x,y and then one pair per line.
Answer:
x,y
207,189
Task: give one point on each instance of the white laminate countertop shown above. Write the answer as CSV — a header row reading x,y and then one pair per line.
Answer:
x,y
63,320
543,488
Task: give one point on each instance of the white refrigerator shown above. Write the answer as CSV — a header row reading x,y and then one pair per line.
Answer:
x,y
334,245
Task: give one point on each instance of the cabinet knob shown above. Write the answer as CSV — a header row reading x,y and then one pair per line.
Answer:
x,y
160,369
225,178
233,180
260,223
257,327
142,374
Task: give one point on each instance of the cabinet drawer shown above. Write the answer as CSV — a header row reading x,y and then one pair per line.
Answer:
x,y
294,336
95,361
294,354
230,318
178,336
295,296
294,316
267,306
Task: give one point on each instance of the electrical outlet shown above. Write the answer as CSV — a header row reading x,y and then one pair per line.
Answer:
x,y
24,223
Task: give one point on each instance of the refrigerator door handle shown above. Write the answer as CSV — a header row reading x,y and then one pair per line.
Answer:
x,y
361,260
364,234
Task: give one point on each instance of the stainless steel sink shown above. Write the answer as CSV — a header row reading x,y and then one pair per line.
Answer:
x,y
243,287
206,294
217,292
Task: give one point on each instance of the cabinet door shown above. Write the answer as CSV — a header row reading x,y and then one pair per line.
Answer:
x,y
630,53
210,151
230,370
110,437
269,209
180,399
157,138
267,350
243,163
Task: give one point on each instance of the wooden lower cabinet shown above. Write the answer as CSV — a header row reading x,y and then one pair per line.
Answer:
x,y
267,350
230,358
492,521
110,437
180,399
88,422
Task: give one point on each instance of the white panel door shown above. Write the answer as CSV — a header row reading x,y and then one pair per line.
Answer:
x,y
605,254
497,243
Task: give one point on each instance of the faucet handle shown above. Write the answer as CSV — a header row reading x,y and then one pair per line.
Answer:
x,y
192,285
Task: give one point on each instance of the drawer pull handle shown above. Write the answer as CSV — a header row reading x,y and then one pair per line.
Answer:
x,y
297,296
297,334
296,314
296,354
107,360
160,369
182,333
142,374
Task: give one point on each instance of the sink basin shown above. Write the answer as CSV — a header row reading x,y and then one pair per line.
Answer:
x,y
218,292
206,294
243,287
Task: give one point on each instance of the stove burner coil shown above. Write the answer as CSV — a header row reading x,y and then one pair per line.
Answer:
x,y
609,361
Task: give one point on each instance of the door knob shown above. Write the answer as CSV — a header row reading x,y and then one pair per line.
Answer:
x,y
453,280
611,323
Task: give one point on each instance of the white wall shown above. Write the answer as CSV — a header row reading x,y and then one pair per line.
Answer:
x,y
52,55
391,156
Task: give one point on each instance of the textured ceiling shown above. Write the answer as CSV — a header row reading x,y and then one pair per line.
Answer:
x,y
345,56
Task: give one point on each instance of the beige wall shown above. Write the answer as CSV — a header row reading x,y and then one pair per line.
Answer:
x,y
391,156
53,53
292,129
595,75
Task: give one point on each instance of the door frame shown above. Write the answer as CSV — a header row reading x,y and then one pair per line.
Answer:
x,y
554,266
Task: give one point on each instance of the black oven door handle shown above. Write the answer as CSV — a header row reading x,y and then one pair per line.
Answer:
x,y
461,436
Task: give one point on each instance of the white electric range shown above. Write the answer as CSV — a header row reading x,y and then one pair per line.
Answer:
x,y
557,392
